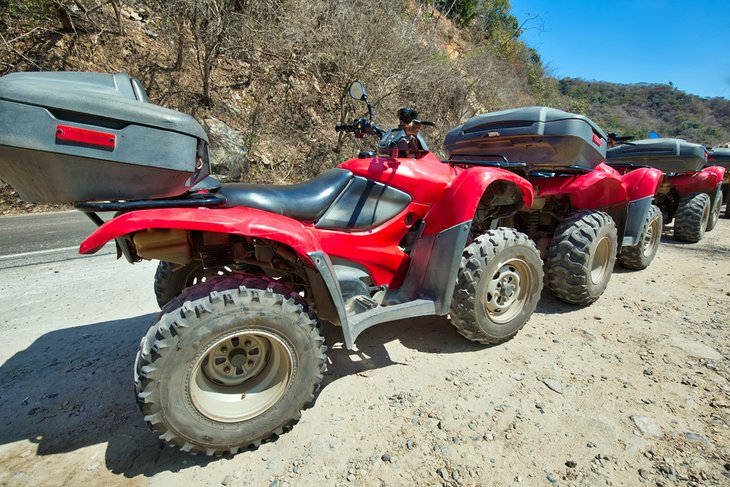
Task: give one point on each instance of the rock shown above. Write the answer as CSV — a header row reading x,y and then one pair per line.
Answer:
x,y
351,477
643,473
518,377
571,464
647,426
552,478
227,480
410,445
386,457
697,349
228,152
553,385
694,437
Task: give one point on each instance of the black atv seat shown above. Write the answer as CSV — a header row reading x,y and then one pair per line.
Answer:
x,y
304,202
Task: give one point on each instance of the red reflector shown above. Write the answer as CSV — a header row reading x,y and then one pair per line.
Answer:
x,y
597,140
85,136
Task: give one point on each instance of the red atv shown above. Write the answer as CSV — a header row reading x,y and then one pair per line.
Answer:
x,y
721,157
233,359
690,194
585,214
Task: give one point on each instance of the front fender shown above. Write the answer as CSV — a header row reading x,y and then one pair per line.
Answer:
x,y
642,183
459,201
242,221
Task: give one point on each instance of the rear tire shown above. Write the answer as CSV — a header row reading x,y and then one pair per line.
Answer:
x,y
581,257
715,212
639,256
230,363
693,214
171,279
498,286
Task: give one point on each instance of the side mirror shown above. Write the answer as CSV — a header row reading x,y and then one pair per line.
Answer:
x,y
357,91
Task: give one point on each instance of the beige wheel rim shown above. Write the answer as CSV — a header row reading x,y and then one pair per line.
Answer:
x,y
507,291
600,261
241,375
705,217
651,238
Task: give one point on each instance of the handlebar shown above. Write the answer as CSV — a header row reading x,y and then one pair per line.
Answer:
x,y
344,128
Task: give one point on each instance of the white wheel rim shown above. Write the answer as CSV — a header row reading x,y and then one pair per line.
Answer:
x,y
507,291
651,237
240,375
600,260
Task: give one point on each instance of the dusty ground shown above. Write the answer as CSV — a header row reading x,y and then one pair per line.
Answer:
x,y
634,390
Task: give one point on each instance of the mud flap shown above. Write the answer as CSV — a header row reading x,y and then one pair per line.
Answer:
x,y
635,221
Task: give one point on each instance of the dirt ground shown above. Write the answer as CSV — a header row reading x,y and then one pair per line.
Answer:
x,y
633,390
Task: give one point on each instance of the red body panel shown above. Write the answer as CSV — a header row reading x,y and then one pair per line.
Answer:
x,y
596,189
442,196
704,181
424,179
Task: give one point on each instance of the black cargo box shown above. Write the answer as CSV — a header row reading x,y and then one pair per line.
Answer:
x,y
68,137
537,136
669,155
719,157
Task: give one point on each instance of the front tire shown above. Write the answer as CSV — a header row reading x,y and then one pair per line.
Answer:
x,y
230,363
639,256
498,286
693,215
581,257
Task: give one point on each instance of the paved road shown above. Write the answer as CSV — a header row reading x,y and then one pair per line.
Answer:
x,y
44,237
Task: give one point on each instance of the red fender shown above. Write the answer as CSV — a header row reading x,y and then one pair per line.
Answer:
x,y
718,171
459,201
238,221
596,189
704,181
642,183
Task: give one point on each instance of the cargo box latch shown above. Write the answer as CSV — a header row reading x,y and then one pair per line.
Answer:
x,y
75,135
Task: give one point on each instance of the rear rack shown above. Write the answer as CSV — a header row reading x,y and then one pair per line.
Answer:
x,y
517,166
191,201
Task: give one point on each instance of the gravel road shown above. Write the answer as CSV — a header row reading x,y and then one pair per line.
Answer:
x,y
633,390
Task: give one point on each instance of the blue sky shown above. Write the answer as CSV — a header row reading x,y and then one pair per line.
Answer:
x,y
623,41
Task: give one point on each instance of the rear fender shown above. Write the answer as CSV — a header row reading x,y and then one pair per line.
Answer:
x,y
704,181
459,202
642,183
246,222
590,191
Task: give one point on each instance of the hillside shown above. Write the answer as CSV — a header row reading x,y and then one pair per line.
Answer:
x,y
276,72
636,109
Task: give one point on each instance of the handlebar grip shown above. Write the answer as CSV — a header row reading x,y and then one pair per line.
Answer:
x,y
344,128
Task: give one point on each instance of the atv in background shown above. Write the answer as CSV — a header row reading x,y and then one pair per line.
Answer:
x,y
689,194
232,360
720,156
585,214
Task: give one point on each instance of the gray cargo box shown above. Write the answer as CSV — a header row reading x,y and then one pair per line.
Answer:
x,y
68,137
719,157
669,155
537,136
